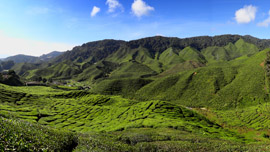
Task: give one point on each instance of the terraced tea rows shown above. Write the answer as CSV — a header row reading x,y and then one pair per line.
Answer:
x,y
84,112
255,117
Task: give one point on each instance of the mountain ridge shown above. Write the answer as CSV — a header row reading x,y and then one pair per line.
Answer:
x,y
159,43
21,58
147,51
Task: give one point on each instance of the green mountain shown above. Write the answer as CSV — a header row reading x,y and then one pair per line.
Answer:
x,y
21,58
152,94
195,72
146,57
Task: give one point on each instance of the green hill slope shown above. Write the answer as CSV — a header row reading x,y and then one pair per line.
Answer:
x,y
157,54
167,94
230,51
108,123
231,84
82,111
196,72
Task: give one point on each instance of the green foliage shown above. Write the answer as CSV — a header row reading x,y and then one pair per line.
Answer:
x,y
253,117
267,71
10,78
18,135
161,139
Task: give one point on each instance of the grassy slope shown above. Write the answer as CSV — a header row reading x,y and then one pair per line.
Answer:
x,y
121,86
230,51
63,70
129,125
240,82
154,124
182,63
140,61
82,111
170,57
131,69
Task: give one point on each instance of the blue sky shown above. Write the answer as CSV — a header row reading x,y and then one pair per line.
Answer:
x,y
35,27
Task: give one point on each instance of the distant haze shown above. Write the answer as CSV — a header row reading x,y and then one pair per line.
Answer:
x,y
13,46
3,56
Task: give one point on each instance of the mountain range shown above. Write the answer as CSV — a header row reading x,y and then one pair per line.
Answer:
x,y
24,60
157,93
153,55
164,68
32,59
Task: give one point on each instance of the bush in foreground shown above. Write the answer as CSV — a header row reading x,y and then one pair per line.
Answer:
x,y
18,135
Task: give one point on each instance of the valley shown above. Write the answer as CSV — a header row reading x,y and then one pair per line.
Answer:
x,y
151,94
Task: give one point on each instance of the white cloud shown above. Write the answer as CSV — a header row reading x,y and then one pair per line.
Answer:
x,y
140,8
266,22
95,10
246,14
113,5
13,46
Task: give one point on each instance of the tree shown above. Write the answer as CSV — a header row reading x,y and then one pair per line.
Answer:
x,y
50,80
11,72
39,79
1,77
44,80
